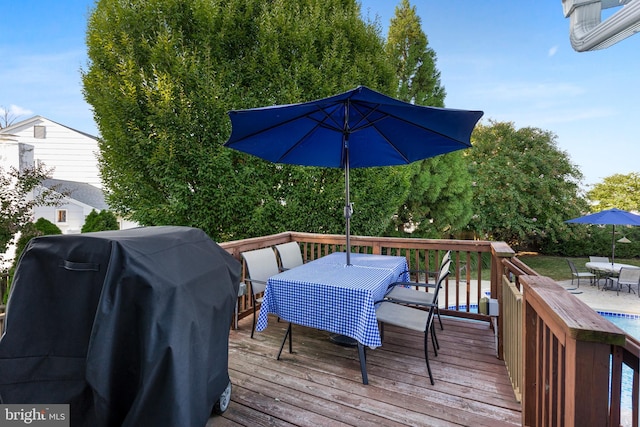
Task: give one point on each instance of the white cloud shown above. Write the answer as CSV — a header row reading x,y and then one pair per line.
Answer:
x,y
16,110
553,50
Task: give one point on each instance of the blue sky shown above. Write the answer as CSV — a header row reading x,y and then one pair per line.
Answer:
x,y
511,59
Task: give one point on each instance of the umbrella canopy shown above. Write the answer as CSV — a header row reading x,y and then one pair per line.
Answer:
x,y
355,129
609,217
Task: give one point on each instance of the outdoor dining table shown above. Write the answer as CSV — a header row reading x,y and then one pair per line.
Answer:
x,y
608,268
330,295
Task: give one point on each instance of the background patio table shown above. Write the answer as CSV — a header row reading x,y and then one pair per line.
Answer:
x,y
611,269
329,295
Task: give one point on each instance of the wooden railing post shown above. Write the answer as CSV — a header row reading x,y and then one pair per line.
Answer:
x,y
499,250
586,377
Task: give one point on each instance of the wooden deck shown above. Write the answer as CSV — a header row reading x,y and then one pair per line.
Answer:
x,y
320,383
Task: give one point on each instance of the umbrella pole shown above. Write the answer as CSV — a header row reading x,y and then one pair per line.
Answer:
x,y
347,206
613,245
347,203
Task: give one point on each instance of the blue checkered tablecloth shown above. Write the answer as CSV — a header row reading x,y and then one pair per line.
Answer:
x,y
327,294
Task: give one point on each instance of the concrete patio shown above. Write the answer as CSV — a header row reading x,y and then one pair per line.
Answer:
x,y
604,300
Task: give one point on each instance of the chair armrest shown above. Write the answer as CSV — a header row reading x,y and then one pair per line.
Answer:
x,y
401,302
262,282
427,273
417,284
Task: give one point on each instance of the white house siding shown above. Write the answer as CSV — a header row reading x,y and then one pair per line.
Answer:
x,y
76,215
15,155
72,154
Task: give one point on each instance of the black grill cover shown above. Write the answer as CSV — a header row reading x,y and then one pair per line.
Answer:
x,y
129,327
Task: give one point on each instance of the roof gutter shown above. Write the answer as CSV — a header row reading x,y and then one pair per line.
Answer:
x,y
588,31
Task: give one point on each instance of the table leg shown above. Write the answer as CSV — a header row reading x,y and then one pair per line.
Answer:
x,y
362,355
287,334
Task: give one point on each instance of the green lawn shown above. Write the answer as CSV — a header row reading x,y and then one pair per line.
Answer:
x,y
557,267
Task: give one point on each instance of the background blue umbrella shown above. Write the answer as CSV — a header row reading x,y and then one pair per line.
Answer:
x,y
355,129
609,217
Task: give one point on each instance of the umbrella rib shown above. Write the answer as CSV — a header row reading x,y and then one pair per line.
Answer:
x,y
319,123
371,123
410,123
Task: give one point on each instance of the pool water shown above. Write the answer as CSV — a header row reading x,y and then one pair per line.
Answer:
x,y
631,325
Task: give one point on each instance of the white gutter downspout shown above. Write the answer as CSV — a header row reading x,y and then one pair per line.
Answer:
x,y
587,32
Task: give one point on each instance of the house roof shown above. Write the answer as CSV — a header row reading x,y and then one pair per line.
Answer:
x,y
80,191
9,129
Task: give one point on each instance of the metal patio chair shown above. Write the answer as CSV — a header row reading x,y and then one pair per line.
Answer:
x,y
290,255
575,274
259,264
417,319
628,277
405,292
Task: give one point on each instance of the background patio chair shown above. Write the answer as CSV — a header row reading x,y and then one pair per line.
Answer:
x,y
414,318
290,255
628,277
400,292
598,259
575,274
259,264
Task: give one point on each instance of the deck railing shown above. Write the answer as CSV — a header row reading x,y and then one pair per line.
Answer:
x,y
572,358
512,313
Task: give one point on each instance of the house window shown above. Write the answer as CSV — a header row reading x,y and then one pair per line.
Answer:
x,y
39,132
61,215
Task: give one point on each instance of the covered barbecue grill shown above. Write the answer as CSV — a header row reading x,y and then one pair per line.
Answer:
x,y
129,327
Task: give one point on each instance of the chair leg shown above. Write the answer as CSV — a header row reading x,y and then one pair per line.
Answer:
x,y
253,327
362,355
434,339
426,355
290,335
439,319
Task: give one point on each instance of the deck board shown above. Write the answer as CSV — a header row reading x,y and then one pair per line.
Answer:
x,y
319,384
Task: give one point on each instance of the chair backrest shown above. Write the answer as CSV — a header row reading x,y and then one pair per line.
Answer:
x,y
260,264
572,266
444,272
629,276
445,258
290,255
598,259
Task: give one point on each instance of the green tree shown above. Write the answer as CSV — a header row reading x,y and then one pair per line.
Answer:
x,y
524,186
162,76
100,221
439,200
620,191
413,60
18,197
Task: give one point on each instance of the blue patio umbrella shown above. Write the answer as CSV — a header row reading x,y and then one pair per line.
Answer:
x,y
609,217
355,129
